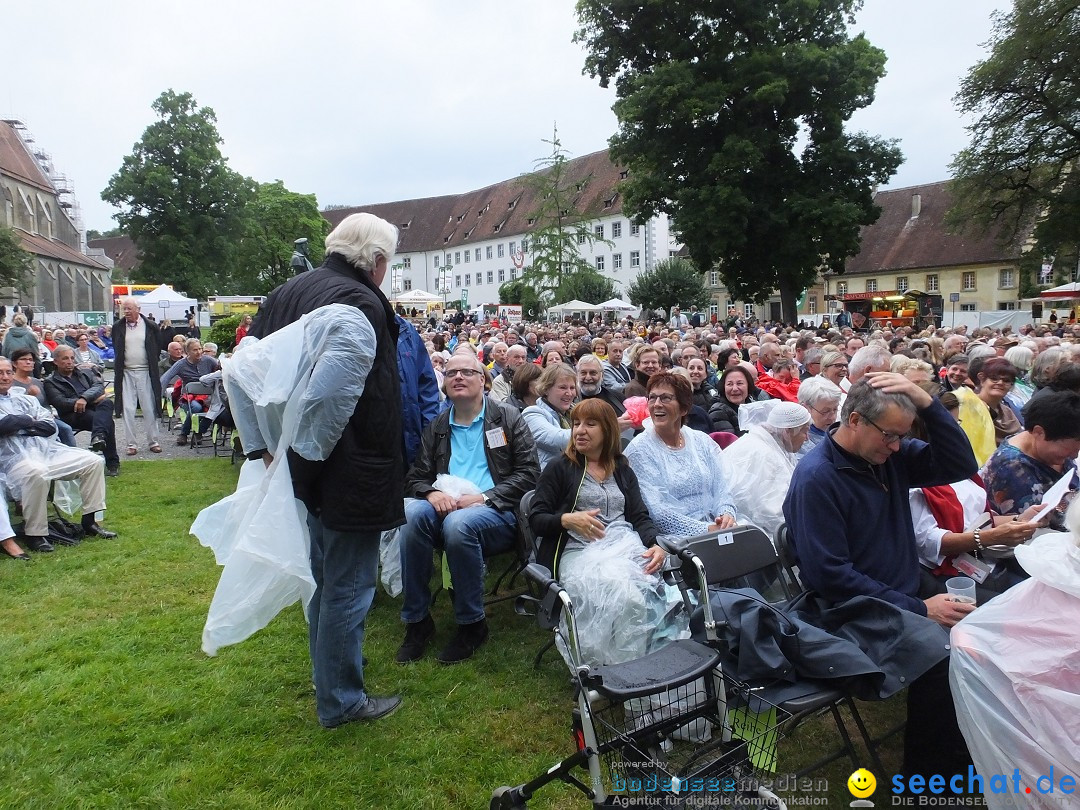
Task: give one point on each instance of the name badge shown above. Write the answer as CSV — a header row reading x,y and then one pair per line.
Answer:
x,y
978,570
495,438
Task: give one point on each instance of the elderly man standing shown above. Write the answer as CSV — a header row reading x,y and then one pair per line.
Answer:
x,y
488,444
32,458
135,341
80,400
353,493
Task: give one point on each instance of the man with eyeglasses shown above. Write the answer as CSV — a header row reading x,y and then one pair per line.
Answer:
x,y
489,445
850,520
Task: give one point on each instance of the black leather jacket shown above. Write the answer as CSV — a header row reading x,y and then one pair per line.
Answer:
x,y
62,392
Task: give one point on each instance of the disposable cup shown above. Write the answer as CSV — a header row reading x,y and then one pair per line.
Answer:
x,y
961,589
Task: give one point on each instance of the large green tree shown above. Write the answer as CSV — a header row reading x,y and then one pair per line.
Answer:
x,y
1020,168
180,202
521,292
732,120
586,285
16,264
275,219
673,282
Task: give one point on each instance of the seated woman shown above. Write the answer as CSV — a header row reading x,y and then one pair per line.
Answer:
x,y
597,538
984,416
704,394
758,467
1026,465
941,516
86,356
736,387
189,369
821,399
834,368
681,475
549,418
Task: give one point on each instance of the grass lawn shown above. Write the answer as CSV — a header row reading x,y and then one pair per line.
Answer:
x,y
110,702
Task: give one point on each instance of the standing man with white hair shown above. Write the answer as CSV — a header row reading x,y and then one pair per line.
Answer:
x,y
353,490
135,341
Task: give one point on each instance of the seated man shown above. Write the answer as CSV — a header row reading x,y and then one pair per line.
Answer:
x,y
850,520
80,400
489,444
31,457
515,359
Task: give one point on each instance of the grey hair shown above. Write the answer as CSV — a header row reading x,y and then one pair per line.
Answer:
x,y
1021,357
1046,366
980,350
590,359
361,239
872,403
192,342
815,390
866,358
813,356
63,347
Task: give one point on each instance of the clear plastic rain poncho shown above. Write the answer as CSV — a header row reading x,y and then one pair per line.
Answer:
x,y
296,388
33,450
758,467
1014,673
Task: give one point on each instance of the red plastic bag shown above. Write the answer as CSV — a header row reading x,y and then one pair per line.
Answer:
x,y
637,408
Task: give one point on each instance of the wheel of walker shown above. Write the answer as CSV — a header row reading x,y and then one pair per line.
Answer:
x,y
506,798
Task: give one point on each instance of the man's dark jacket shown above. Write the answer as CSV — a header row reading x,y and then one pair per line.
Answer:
x,y
62,392
358,488
119,338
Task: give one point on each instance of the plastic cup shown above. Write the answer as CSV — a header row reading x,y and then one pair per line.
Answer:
x,y
961,589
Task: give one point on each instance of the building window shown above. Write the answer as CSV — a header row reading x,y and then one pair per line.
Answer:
x,y
616,230
635,229
635,258
478,254
407,262
501,250
1007,280
467,257
1008,305
811,303
502,276
968,283
436,261
599,231
616,261
468,280
488,251
901,284
479,278
600,263
513,248
871,285
513,273
581,238
932,283
447,261
457,256
406,284
524,245
748,310
968,308
714,278
841,288
490,276
457,281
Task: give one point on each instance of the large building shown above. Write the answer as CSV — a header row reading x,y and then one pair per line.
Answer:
x,y
476,241
39,205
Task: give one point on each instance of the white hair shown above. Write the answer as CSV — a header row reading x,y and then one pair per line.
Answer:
x,y
815,390
361,239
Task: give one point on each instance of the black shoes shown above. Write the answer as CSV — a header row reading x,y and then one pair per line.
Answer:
x,y
97,442
375,708
22,555
112,470
94,530
468,639
417,636
38,544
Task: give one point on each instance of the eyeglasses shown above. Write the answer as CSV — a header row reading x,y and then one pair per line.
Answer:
x,y
461,372
663,399
831,412
837,365
890,438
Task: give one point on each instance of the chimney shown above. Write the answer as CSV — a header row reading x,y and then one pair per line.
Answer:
x,y
916,205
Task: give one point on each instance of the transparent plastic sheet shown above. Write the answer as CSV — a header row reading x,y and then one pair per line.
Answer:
x,y
621,612
651,709
1014,672
296,388
758,472
455,486
390,562
67,498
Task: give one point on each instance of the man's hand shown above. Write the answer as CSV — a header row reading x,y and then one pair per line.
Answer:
x,y
655,556
80,405
465,501
584,523
943,610
891,383
267,458
625,423
724,522
442,503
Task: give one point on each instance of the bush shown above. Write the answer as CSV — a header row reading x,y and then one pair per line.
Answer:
x,y
223,333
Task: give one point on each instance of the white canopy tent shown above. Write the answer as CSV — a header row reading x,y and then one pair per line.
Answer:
x,y
1062,293
572,306
164,302
416,297
617,305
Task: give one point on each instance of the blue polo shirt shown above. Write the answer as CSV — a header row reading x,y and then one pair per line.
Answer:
x,y
467,457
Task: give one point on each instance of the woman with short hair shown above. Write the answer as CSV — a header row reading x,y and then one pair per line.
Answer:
x,y
821,399
736,388
548,419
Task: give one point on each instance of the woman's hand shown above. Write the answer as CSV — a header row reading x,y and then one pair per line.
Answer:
x,y
1011,533
584,523
724,522
655,556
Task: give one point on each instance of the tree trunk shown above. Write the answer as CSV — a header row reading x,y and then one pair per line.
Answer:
x,y
789,300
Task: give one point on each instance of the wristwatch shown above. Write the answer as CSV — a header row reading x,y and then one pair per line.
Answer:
x,y
487,500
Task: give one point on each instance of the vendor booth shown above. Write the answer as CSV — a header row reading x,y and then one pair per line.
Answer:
x,y
889,309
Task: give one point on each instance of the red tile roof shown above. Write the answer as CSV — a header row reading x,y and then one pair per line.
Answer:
x,y
502,209
57,250
897,241
19,163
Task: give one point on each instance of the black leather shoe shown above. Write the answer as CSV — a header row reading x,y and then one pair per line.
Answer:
x,y
22,555
375,708
112,470
468,639
97,442
417,636
94,530
38,544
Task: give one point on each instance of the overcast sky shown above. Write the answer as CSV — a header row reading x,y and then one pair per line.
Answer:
x,y
364,102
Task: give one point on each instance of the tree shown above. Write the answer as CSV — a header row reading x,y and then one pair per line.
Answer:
x,y
181,203
1020,168
731,120
274,220
16,264
521,292
673,282
91,233
586,285
560,226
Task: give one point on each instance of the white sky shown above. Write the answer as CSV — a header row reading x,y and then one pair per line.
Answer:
x,y
359,102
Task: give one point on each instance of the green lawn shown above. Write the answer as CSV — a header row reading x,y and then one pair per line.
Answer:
x,y
109,701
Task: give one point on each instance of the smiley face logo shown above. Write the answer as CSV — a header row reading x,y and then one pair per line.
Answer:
x,y
862,783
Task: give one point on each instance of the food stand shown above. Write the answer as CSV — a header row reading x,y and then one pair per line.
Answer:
x,y
889,309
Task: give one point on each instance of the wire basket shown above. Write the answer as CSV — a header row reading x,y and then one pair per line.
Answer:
x,y
709,737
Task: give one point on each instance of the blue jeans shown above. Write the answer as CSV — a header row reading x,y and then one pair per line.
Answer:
x,y
190,408
345,566
466,537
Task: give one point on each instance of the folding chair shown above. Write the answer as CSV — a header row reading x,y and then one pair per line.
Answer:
x,y
196,389
722,559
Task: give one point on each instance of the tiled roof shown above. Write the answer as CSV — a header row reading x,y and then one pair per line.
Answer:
x,y
503,209
41,246
17,162
898,241
120,249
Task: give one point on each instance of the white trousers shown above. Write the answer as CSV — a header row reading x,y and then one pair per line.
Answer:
x,y
139,393
36,473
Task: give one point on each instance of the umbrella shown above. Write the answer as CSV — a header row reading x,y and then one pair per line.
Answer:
x,y
618,305
1065,291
